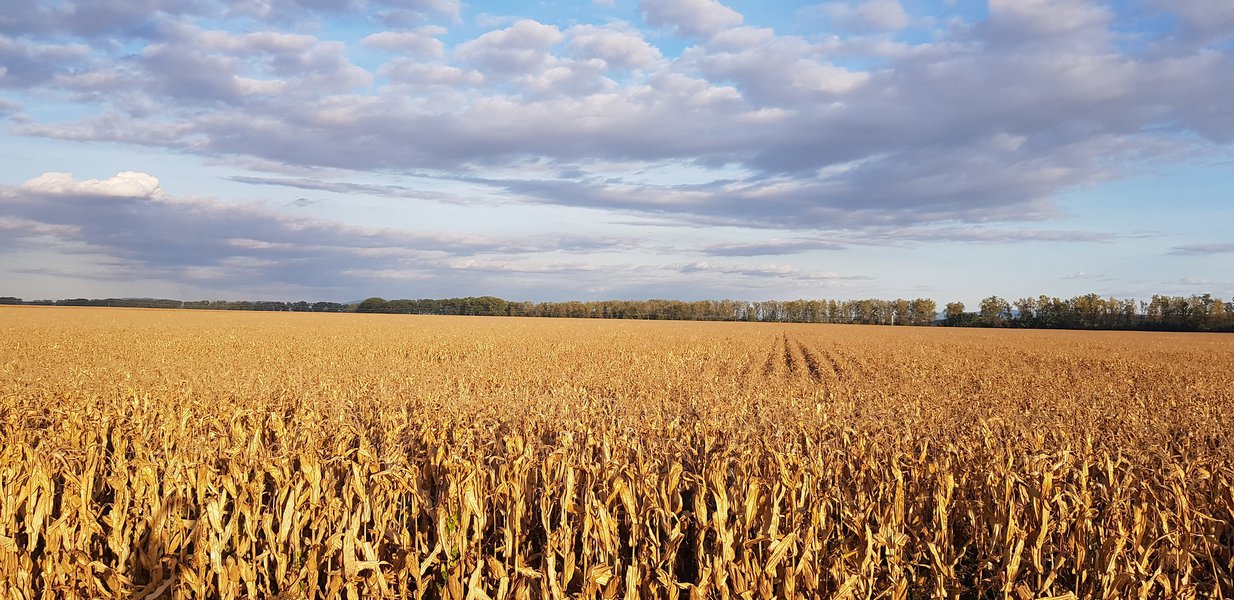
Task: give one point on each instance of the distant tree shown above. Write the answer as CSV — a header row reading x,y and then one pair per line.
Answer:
x,y
9,300
490,305
405,307
899,311
954,314
1124,312
1218,316
1051,312
865,311
1199,310
372,305
921,311
1089,310
994,312
1225,320
884,311
1025,312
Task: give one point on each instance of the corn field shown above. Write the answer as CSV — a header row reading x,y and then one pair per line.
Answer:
x,y
172,454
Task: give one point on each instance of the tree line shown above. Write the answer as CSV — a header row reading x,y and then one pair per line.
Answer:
x,y
920,311
1090,311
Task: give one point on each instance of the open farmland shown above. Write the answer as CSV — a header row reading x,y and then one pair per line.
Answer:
x,y
156,454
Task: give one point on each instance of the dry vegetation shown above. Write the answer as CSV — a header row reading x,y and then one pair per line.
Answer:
x,y
155,454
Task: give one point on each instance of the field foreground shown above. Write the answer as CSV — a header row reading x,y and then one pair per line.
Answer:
x,y
154,454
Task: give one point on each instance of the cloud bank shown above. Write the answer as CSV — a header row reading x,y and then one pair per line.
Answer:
x,y
887,125
989,120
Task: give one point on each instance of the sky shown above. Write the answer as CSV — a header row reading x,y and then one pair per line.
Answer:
x,y
688,149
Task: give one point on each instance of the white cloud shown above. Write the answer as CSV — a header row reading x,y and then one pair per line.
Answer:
x,y
429,74
690,18
126,184
965,131
620,47
774,70
420,42
194,65
405,10
868,15
984,122
1074,22
1202,21
516,50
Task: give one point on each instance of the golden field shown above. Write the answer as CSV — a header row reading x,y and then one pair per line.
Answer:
x,y
197,454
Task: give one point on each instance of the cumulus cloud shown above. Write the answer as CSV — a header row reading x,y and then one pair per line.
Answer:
x,y
410,11
868,15
106,20
690,18
424,76
619,46
126,184
394,12
421,42
1200,22
95,18
773,71
965,133
519,49
1078,22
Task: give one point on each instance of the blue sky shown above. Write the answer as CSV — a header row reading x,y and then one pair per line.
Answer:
x,y
339,149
